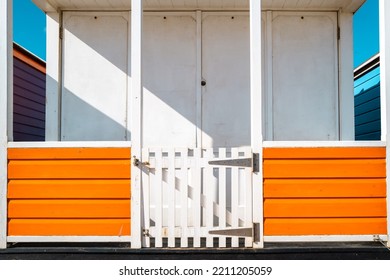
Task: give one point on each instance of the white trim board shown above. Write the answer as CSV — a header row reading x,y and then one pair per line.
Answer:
x,y
69,239
71,144
256,86
6,95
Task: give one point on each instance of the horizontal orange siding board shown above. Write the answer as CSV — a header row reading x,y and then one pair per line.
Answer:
x,y
69,153
69,169
368,168
69,189
315,208
290,188
346,226
81,208
69,227
324,152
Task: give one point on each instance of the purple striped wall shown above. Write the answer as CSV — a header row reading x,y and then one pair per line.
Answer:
x,y
29,97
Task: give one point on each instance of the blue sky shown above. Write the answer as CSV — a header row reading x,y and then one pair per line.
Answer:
x,y
30,29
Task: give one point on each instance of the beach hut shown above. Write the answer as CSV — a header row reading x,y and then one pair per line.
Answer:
x,y
183,123
29,96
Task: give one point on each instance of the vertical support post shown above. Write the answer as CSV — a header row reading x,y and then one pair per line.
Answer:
x,y
6,91
384,31
268,100
136,120
346,98
199,143
53,77
256,115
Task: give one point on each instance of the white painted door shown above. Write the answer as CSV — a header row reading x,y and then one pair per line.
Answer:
x,y
304,76
225,69
169,97
95,77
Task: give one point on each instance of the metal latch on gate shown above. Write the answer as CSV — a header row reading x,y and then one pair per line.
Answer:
x,y
137,162
240,162
240,232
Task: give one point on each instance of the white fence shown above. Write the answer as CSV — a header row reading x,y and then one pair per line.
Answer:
x,y
184,197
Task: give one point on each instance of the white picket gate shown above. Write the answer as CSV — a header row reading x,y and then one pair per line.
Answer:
x,y
184,197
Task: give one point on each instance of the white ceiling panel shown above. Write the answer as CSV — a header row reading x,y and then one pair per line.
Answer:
x,y
53,5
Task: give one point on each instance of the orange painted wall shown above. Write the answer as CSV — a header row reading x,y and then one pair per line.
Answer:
x,y
324,191
69,191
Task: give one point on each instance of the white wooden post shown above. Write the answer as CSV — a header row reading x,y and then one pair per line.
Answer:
x,y
256,114
346,114
136,120
53,77
384,31
6,91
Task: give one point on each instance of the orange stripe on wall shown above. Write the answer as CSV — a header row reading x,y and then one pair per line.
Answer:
x,y
369,168
68,189
324,153
69,169
339,207
336,226
69,208
289,188
69,227
69,153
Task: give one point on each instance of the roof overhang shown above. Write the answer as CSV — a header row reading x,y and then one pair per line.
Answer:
x,y
313,5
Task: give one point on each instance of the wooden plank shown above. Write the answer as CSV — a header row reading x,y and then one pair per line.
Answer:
x,y
290,188
65,227
222,198
184,198
171,198
28,189
197,194
157,188
322,226
325,153
21,69
69,169
69,153
69,208
235,201
208,189
315,208
303,168
247,172
146,198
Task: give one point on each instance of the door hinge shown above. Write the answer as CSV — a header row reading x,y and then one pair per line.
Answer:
x,y
240,232
239,162
61,32
338,33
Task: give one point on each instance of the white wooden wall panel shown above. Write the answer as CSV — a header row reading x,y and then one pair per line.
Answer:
x,y
94,97
226,70
305,80
169,118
